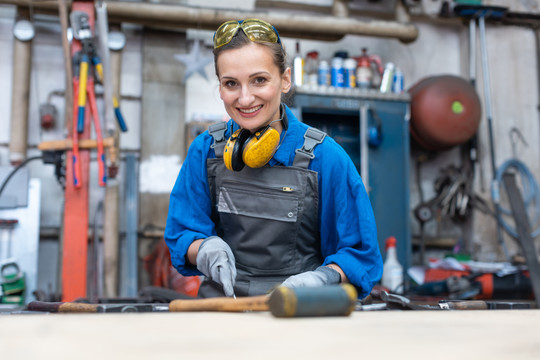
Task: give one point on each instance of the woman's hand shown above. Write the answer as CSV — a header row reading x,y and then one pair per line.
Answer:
x,y
323,275
216,261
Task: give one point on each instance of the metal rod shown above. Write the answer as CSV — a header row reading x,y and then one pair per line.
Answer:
x,y
489,116
132,220
62,13
537,45
472,51
364,149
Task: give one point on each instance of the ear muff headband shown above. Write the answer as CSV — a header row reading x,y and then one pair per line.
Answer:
x,y
260,147
232,155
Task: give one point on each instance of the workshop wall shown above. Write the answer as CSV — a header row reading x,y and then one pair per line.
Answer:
x,y
157,105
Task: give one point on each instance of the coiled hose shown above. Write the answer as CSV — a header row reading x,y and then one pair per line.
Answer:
x,y
531,193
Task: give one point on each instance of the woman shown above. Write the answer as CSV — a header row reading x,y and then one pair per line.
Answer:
x,y
263,199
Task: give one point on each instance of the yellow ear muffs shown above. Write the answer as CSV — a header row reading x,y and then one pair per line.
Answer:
x,y
232,155
253,150
260,147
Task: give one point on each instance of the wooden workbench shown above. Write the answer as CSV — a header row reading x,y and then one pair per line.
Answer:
x,y
490,334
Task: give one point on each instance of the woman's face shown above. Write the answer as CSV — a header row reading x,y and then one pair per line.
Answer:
x,y
251,85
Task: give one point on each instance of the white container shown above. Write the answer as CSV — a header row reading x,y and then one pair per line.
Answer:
x,y
387,78
392,277
298,67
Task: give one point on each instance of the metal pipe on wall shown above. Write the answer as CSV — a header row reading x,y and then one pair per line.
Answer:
x,y
315,27
111,264
20,92
112,196
111,242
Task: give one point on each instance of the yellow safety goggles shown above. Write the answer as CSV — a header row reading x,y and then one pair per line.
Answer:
x,y
255,29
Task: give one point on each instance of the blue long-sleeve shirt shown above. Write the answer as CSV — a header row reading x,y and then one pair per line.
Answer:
x,y
347,225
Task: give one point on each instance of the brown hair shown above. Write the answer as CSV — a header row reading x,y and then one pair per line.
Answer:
x,y
240,39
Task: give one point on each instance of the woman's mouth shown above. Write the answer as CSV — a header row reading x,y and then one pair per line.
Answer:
x,y
250,111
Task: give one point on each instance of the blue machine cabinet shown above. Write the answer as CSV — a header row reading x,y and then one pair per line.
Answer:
x,y
374,130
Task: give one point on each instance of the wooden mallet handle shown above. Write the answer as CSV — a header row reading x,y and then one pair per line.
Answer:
x,y
226,304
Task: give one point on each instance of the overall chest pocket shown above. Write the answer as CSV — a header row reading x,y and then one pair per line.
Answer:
x,y
260,225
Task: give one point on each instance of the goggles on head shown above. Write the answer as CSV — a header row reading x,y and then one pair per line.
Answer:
x,y
255,29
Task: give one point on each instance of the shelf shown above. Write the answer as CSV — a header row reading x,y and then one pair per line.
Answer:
x,y
355,93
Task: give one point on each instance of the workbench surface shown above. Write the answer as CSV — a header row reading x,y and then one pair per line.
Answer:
x,y
488,334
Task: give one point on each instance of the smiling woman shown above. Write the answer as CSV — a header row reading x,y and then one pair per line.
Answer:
x,y
265,200
252,98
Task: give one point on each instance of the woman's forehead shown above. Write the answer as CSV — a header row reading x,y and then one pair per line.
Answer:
x,y
251,58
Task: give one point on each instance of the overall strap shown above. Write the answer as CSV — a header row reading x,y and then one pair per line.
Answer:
x,y
218,133
312,138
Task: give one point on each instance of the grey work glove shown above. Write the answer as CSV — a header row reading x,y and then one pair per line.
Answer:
x,y
321,276
216,261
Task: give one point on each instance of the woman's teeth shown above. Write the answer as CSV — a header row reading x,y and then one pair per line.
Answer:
x,y
252,110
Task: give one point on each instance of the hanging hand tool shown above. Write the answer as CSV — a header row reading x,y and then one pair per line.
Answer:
x,y
83,33
96,61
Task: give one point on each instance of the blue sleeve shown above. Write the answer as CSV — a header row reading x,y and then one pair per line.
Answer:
x,y
348,229
189,216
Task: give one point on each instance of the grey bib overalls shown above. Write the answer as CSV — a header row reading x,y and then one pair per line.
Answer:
x,y
268,216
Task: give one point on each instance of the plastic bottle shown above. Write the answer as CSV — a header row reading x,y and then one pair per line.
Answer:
x,y
388,78
311,71
398,82
337,73
392,277
350,72
324,73
298,67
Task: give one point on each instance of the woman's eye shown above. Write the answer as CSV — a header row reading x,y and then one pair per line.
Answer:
x,y
230,83
260,80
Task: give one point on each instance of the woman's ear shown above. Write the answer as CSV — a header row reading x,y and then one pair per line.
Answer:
x,y
286,81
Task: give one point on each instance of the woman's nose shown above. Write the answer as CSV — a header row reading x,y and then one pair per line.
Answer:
x,y
246,96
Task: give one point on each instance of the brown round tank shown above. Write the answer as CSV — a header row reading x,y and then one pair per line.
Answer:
x,y
445,111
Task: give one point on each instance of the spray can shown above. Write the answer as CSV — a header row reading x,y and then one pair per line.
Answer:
x,y
337,73
324,73
398,83
350,72
388,78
